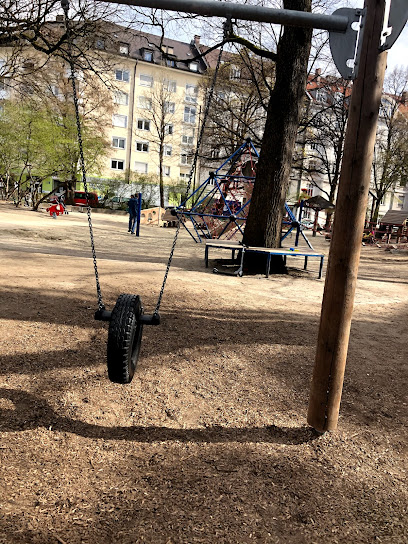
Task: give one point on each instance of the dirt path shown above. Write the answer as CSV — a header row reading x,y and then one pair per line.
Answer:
x,y
209,443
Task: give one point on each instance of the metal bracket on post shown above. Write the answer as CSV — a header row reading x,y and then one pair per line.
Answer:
x,y
345,46
395,18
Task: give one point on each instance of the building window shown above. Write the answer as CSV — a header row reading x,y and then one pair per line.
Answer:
x,y
119,120
170,85
168,49
188,136
124,48
186,158
142,146
121,98
169,107
28,66
145,80
4,89
170,63
168,129
167,150
100,43
147,55
145,103
386,108
321,95
119,143
193,66
191,93
184,176
122,75
215,154
165,170
189,114
235,72
317,146
141,167
117,165
143,124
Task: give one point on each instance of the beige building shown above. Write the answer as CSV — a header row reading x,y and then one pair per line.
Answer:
x,y
157,106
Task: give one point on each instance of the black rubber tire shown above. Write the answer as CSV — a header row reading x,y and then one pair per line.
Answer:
x,y
124,338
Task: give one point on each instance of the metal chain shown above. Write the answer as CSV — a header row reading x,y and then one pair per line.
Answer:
x,y
193,167
65,7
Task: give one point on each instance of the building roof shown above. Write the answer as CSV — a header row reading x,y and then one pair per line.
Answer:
x,y
162,48
110,37
318,203
329,83
395,217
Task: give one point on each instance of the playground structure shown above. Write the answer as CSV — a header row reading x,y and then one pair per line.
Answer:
x,y
218,208
57,207
152,216
392,226
359,40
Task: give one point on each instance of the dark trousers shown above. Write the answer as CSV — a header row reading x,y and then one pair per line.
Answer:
x,y
132,223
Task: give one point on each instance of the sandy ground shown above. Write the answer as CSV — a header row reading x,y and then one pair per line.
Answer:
x,y
209,443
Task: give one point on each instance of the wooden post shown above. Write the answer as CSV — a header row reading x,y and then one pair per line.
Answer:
x,y
341,277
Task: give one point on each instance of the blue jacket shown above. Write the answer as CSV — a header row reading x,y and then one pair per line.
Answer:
x,y
133,203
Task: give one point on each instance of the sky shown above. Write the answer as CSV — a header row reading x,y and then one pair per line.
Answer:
x,y
398,54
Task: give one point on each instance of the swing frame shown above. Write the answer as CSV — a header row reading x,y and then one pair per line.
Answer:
x,y
380,30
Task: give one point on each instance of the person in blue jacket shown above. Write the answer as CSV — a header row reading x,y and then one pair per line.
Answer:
x,y
132,204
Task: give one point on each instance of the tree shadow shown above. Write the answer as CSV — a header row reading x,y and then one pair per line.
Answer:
x,y
31,412
178,261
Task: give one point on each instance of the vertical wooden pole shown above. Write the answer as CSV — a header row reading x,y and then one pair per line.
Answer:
x,y
341,277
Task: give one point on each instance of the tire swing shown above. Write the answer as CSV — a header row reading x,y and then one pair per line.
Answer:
x,y
127,318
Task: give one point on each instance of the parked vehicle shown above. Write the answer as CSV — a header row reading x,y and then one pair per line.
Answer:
x,y
80,199
117,203
308,224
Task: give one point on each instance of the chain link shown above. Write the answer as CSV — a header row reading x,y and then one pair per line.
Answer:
x,y
65,6
193,168
210,94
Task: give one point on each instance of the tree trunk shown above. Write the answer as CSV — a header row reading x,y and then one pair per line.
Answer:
x,y
376,211
264,223
39,201
161,184
329,213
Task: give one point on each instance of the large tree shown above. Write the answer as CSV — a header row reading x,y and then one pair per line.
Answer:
x,y
238,109
322,134
265,216
40,25
283,102
27,148
39,133
390,165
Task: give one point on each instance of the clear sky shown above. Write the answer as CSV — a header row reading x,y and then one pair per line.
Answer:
x,y
398,54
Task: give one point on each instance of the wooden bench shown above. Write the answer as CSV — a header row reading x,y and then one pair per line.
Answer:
x,y
285,252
